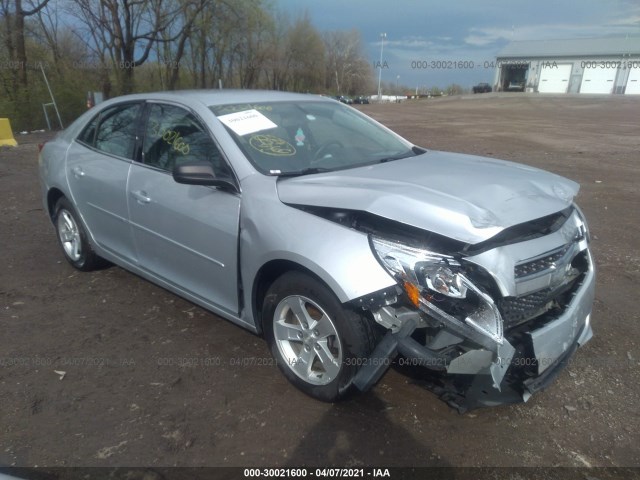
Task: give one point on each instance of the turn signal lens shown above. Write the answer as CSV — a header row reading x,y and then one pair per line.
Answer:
x,y
413,292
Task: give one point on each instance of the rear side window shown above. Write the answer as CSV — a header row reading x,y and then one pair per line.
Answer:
x,y
116,133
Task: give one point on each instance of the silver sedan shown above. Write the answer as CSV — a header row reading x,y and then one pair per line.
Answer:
x,y
347,247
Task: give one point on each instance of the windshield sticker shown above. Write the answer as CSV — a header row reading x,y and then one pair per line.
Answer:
x,y
241,108
249,121
300,138
311,117
272,145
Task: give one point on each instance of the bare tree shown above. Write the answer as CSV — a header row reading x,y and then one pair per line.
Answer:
x,y
296,60
127,30
250,43
48,30
165,44
14,15
276,61
227,42
197,48
7,35
172,59
305,54
348,71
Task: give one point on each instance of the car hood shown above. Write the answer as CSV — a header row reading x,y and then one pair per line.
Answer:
x,y
463,197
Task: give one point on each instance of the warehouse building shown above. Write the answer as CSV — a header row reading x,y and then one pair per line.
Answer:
x,y
587,65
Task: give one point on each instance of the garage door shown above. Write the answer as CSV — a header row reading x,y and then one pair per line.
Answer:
x,y
554,79
598,80
633,83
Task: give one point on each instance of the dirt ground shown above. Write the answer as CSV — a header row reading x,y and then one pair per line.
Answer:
x,y
151,380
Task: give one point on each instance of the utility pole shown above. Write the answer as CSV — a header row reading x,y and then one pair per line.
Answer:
x,y
382,37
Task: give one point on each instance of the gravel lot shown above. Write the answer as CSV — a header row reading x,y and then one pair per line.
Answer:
x,y
152,380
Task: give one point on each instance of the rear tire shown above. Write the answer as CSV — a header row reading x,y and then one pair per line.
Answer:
x,y
72,238
318,344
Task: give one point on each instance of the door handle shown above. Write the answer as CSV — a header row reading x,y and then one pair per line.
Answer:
x,y
77,172
141,196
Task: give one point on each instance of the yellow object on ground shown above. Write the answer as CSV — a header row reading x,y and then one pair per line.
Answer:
x,y
6,135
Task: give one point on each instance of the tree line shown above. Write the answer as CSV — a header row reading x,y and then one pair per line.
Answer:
x,y
124,46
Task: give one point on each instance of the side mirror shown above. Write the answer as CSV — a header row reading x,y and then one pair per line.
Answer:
x,y
200,173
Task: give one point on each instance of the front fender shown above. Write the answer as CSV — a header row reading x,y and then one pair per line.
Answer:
x,y
270,230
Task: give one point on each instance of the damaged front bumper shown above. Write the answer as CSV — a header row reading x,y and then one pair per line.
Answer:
x,y
481,371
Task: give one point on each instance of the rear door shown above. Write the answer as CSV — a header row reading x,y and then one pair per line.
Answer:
x,y
97,167
187,235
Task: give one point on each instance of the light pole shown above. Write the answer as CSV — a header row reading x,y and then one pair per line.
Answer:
x,y
382,37
397,80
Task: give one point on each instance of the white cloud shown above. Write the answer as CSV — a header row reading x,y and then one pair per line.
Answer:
x,y
413,42
487,36
491,35
631,21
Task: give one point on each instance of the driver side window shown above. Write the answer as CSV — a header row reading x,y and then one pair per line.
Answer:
x,y
174,135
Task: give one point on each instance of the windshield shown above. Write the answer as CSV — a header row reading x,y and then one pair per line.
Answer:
x,y
289,138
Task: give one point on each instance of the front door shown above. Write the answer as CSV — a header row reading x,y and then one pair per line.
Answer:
x,y
187,235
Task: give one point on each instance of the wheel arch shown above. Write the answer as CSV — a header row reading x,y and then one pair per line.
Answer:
x,y
53,195
267,274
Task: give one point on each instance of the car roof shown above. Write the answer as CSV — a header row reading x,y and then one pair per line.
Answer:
x,y
193,98
223,97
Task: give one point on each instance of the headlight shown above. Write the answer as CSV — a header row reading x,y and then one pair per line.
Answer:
x,y
584,228
423,273
439,273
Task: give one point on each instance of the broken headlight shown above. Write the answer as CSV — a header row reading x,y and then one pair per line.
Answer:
x,y
583,228
439,273
425,274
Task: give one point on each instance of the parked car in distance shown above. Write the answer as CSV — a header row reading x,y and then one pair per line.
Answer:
x,y
341,243
344,99
482,88
361,100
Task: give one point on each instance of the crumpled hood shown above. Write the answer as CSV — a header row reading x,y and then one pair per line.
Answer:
x,y
463,197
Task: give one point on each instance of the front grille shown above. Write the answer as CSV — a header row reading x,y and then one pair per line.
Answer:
x,y
518,310
540,264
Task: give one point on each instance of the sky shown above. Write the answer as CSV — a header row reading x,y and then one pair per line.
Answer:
x,y
468,32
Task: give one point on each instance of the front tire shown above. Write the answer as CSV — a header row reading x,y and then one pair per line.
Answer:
x,y
72,238
319,344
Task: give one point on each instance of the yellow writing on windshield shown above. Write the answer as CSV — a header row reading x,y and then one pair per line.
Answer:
x,y
272,145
